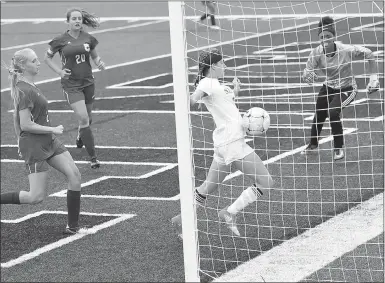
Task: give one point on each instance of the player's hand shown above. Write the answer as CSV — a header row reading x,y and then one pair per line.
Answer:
x,y
65,73
58,130
236,82
373,86
309,76
101,66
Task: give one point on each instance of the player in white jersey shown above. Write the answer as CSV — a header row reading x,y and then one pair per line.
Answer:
x,y
334,60
230,147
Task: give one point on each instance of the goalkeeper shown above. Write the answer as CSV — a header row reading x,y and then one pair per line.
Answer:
x,y
334,60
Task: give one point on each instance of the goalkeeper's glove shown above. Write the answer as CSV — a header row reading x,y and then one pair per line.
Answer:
x,y
309,76
373,84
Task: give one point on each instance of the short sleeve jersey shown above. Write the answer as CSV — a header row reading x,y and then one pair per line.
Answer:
x,y
338,69
75,53
32,98
220,103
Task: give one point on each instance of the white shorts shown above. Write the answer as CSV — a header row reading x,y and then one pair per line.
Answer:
x,y
236,150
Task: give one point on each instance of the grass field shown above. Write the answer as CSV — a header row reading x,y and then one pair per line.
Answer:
x,y
131,198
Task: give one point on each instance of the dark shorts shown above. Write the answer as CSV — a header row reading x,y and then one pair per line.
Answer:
x,y
36,157
75,94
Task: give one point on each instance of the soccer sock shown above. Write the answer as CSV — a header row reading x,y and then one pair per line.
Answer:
x,y
89,124
200,198
10,198
247,197
204,16
73,207
213,20
88,140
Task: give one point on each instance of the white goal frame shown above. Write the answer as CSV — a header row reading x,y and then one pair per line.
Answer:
x,y
184,141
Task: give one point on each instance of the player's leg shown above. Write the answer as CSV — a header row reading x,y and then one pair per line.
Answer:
x,y
320,116
89,95
211,8
76,99
217,173
253,168
340,100
37,176
63,162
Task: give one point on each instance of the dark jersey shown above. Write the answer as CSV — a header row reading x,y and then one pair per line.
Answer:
x,y
32,98
75,55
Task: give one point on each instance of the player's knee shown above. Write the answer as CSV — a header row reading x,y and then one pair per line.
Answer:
x,y
84,120
36,199
75,177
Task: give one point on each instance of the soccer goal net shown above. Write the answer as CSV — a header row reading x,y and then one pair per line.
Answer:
x,y
322,220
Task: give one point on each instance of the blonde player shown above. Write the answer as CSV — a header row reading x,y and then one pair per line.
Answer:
x,y
334,59
230,147
37,142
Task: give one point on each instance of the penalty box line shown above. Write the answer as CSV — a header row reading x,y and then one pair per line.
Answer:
x,y
63,193
26,257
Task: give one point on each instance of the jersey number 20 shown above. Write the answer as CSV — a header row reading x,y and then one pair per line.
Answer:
x,y
80,58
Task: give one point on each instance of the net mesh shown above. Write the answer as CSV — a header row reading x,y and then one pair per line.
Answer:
x,y
266,45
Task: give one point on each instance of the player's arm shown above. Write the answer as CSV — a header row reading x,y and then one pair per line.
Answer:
x,y
26,124
48,59
97,60
196,96
309,74
360,52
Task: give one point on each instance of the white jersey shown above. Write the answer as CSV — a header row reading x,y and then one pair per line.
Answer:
x,y
338,69
220,102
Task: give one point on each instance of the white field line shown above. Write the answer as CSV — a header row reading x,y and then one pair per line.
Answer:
x,y
191,50
194,18
102,162
63,193
119,218
298,258
92,32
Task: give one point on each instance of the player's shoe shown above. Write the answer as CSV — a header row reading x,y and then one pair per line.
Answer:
x,y
310,148
230,220
95,163
78,230
79,142
215,27
338,153
176,222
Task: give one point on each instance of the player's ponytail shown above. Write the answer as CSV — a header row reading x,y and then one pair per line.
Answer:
x,y
89,20
15,70
206,59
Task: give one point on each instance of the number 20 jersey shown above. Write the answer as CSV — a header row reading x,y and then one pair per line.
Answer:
x,y
75,55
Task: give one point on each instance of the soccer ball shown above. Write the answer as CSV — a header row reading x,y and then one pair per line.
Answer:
x,y
256,121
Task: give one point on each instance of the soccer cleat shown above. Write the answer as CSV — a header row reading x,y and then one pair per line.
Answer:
x,y
78,230
230,220
95,163
79,142
176,221
338,153
310,148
